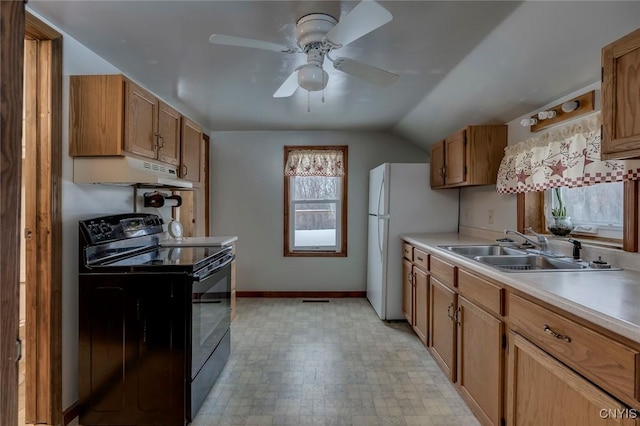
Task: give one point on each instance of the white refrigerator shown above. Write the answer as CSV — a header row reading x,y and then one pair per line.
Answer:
x,y
401,201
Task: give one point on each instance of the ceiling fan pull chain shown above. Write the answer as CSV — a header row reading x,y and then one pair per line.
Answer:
x,y
323,84
308,101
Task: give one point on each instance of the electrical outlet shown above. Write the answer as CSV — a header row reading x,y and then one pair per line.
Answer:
x,y
491,216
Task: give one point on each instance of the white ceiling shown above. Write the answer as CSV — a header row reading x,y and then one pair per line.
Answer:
x,y
459,62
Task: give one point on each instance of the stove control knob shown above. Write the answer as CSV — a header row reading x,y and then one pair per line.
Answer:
x,y
105,228
94,229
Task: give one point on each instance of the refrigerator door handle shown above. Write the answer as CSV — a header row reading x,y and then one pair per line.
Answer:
x,y
380,194
378,229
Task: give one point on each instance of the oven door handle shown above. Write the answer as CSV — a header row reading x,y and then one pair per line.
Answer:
x,y
206,274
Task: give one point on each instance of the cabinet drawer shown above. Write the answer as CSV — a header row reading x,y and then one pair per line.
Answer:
x,y
444,271
605,361
421,259
407,251
481,291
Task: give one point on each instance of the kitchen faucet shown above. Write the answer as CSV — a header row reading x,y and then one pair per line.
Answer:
x,y
542,242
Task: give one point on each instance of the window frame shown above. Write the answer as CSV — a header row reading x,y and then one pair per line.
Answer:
x,y
292,220
341,233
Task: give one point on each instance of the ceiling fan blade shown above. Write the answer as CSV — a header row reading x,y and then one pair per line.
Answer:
x,y
247,42
289,86
364,18
366,72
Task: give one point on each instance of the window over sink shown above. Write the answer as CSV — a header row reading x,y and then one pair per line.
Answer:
x,y
595,210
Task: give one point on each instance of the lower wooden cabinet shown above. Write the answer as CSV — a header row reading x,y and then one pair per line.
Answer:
x,y
442,327
558,369
421,304
480,361
543,391
407,291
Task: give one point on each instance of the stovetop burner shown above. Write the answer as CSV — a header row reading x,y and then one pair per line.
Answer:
x,y
130,243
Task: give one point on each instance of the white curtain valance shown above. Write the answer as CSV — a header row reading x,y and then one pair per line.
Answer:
x,y
315,162
568,156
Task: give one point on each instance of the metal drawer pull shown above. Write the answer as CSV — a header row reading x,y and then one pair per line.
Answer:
x,y
420,259
550,332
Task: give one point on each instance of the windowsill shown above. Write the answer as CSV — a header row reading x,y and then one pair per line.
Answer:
x,y
314,253
589,240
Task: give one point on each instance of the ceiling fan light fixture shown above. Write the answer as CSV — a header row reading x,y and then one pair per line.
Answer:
x,y
312,78
313,27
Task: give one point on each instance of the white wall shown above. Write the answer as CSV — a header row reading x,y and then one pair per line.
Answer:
x,y
78,202
477,202
247,201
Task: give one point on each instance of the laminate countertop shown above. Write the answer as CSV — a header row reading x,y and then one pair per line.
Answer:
x,y
610,299
198,241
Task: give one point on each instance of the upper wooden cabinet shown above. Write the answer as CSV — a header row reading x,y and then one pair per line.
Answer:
x,y
192,148
168,134
437,165
621,98
111,115
468,157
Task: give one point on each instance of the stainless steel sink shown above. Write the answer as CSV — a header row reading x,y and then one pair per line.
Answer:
x,y
530,263
483,250
512,259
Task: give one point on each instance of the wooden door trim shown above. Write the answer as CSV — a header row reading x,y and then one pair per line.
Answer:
x,y
630,226
205,185
43,401
11,71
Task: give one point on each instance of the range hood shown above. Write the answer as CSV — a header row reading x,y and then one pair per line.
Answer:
x,y
126,171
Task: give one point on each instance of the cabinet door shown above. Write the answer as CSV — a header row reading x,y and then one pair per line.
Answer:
x,y
543,389
407,291
621,98
168,134
96,108
161,321
442,327
480,361
132,349
191,148
141,115
421,304
437,164
455,158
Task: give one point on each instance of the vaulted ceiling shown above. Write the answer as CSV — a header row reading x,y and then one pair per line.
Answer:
x,y
459,62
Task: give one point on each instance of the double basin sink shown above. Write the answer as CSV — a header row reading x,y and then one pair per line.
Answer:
x,y
511,259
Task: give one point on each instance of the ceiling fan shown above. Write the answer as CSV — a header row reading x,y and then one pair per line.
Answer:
x,y
319,34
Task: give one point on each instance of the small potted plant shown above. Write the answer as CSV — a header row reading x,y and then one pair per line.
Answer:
x,y
561,223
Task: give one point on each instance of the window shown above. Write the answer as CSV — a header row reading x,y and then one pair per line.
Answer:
x,y
595,210
315,193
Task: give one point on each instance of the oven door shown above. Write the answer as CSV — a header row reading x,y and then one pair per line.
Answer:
x,y
210,313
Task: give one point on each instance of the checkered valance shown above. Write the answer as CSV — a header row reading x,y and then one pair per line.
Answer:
x,y
568,156
315,162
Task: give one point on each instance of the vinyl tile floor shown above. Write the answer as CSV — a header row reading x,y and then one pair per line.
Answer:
x,y
336,363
